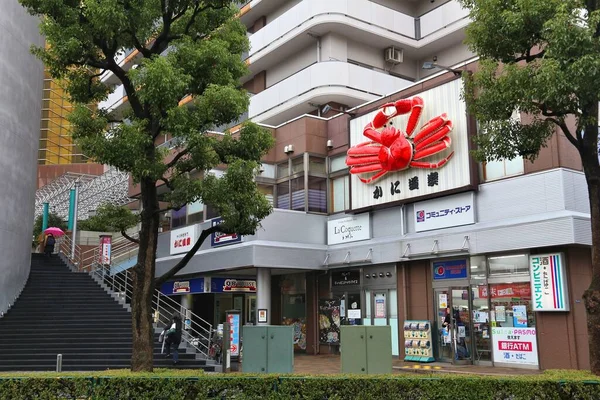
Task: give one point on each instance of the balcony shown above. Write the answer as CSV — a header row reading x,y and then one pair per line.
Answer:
x,y
362,20
115,100
328,81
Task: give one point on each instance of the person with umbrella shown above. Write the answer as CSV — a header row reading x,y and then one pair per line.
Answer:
x,y
50,241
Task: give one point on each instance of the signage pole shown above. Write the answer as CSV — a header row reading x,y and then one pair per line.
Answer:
x,y
71,208
74,231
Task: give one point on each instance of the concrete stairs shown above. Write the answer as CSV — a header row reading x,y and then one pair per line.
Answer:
x,y
69,313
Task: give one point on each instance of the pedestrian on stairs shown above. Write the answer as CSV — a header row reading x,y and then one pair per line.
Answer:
x,y
173,338
49,242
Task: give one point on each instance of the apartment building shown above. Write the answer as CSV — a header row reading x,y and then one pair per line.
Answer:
x,y
487,261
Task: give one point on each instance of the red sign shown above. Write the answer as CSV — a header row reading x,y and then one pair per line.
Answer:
x,y
510,290
105,249
182,242
514,346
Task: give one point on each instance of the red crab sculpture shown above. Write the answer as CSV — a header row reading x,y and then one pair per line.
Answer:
x,y
390,149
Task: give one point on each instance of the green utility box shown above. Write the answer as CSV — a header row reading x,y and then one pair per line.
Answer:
x,y
366,349
268,349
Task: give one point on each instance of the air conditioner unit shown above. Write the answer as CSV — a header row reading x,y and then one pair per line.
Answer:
x,y
394,55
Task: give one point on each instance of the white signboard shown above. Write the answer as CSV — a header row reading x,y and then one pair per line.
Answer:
x,y
412,181
548,282
354,314
445,212
349,229
515,346
182,240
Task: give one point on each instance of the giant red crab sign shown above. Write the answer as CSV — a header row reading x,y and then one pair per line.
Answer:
x,y
391,149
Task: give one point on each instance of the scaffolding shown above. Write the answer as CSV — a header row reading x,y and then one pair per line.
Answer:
x,y
110,187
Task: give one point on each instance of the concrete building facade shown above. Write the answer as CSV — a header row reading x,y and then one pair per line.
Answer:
x,y
20,103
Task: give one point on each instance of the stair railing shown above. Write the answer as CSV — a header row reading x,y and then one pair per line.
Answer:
x,y
196,332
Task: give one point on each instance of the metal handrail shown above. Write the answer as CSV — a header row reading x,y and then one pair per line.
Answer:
x,y
196,332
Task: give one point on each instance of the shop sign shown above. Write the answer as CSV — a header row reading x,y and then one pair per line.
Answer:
x,y
453,269
234,333
405,178
220,238
345,278
548,282
229,285
445,212
195,285
182,240
349,229
506,290
515,346
105,249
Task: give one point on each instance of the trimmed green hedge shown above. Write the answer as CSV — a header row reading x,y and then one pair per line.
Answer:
x,y
240,386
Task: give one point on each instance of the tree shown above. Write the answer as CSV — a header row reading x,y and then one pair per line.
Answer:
x,y
111,218
541,58
185,48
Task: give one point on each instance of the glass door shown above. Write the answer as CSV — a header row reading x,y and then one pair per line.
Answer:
x,y
381,309
453,320
461,325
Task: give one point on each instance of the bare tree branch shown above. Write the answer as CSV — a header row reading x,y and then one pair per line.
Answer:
x,y
184,261
178,157
565,129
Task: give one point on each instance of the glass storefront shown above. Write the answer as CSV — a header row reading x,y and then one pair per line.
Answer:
x,y
293,307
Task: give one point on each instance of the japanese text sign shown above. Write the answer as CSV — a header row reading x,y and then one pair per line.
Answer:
x,y
515,346
452,269
445,212
182,240
413,182
548,282
105,249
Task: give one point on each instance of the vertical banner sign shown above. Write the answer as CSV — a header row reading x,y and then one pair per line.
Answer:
x,y
548,282
105,244
234,333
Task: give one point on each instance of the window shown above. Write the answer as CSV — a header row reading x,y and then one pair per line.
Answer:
x,y
297,185
178,217
509,265
340,194
317,194
283,195
338,164
500,169
267,191
283,170
297,165
195,212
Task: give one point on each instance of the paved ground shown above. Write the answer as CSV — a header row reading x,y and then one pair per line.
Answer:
x,y
330,364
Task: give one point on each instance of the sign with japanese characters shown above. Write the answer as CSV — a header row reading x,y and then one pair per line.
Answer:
x,y
188,286
451,269
441,165
182,240
349,229
445,212
548,282
105,249
220,238
515,346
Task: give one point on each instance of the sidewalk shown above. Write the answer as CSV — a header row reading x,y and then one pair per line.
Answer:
x,y
331,364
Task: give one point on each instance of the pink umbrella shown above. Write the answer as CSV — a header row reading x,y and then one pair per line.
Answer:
x,y
54,231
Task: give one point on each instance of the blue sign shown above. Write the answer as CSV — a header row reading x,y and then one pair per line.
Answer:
x,y
454,269
220,238
234,333
186,286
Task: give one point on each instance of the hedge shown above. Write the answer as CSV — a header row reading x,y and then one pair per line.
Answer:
x,y
240,386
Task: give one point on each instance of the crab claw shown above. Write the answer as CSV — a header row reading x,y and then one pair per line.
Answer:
x,y
388,111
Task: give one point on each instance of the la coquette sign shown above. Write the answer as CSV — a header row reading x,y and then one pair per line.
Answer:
x,y
349,229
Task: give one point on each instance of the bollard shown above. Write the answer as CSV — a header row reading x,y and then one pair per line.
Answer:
x,y
226,348
59,363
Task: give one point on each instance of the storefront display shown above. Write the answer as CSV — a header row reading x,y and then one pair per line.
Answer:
x,y
329,321
299,325
418,341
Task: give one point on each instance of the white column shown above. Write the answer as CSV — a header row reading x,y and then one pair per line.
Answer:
x,y
263,293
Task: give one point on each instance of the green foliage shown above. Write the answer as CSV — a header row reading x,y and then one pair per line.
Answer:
x,y
53,220
540,58
175,386
109,218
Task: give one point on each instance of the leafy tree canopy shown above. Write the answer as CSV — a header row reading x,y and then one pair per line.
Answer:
x,y
109,218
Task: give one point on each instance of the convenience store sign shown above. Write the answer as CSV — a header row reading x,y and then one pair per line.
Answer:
x,y
548,283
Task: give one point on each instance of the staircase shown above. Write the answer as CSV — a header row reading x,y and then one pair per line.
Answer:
x,y
68,313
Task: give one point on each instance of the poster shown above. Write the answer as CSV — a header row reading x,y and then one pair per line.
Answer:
x,y
500,313
379,307
515,346
105,249
354,314
329,321
520,316
233,320
443,300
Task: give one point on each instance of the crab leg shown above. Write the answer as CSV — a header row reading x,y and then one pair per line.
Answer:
x,y
374,177
432,127
420,164
432,148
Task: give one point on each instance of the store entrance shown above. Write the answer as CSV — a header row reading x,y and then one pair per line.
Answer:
x,y
382,309
453,320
